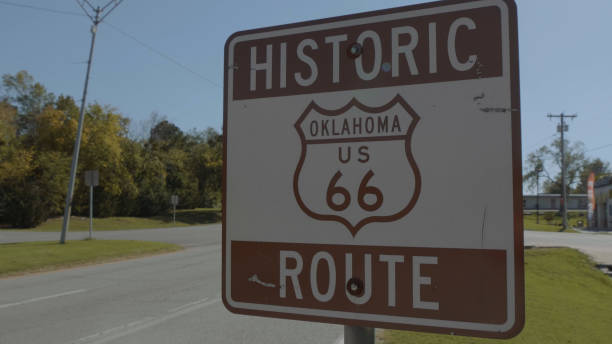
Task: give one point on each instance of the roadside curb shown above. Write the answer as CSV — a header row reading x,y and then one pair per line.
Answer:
x,y
592,231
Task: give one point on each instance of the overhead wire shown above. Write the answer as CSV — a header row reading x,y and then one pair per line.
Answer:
x,y
85,10
89,4
8,3
600,147
165,56
145,45
116,2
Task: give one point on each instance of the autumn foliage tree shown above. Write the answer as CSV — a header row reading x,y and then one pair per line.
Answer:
x,y
137,175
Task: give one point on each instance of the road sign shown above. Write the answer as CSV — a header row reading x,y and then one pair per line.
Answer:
x,y
92,178
372,170
174,200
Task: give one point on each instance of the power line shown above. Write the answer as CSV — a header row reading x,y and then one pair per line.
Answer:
x,y
114,27
8,3
85,10
163,55
600,147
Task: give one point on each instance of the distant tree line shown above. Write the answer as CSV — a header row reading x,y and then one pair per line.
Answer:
x,y
138,174
547,159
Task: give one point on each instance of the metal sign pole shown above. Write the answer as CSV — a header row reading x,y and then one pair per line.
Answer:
x,y
358,335
91,210
174,201
77,143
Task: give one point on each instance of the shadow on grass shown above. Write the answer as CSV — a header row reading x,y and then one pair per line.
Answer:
x,y
29,244
193,216
186,217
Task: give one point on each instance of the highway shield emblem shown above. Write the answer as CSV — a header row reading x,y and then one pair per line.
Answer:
x,y
356,166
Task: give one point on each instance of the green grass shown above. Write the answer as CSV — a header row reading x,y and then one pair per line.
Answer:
x,y
567,301
187,217
20,258
551,222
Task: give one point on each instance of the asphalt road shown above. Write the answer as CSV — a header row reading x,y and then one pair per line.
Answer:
x,y
598,246
171,298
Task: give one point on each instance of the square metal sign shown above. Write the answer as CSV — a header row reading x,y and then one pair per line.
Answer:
x,y
372,170
92,178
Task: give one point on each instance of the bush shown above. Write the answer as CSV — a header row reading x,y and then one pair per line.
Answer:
x,y
549,217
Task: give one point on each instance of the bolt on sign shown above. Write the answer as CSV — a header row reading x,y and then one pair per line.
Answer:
x,y
372,170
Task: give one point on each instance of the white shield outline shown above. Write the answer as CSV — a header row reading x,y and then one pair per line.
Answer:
x,y
353,229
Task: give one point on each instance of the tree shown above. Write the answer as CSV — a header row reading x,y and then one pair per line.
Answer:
x,y
32,186
104,134
206,159
180,179
8,118
596,166
141,130
166,135
34,169
137,173
54,131
28,96
67,105
577,165
153,196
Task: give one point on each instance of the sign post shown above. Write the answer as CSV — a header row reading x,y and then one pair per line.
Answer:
x,y
391,189
92,178
174,199
358,335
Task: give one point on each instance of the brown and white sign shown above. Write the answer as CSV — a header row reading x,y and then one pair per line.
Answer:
x,y
373,170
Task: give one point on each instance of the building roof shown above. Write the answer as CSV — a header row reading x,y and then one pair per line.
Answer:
x,y
603,181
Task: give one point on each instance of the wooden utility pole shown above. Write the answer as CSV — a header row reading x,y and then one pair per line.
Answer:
x,y
561,128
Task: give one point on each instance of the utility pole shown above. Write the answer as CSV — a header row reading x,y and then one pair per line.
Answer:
x,y
99,13
561,128
538,170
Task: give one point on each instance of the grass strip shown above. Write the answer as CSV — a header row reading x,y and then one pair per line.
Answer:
x,y
27,257
567,301
552,222
189,217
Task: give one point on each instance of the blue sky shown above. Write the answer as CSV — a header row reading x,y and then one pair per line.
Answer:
x,y
565,57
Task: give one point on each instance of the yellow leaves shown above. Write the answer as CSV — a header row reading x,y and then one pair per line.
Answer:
x,y
16,165
102,150
55,131
8,121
